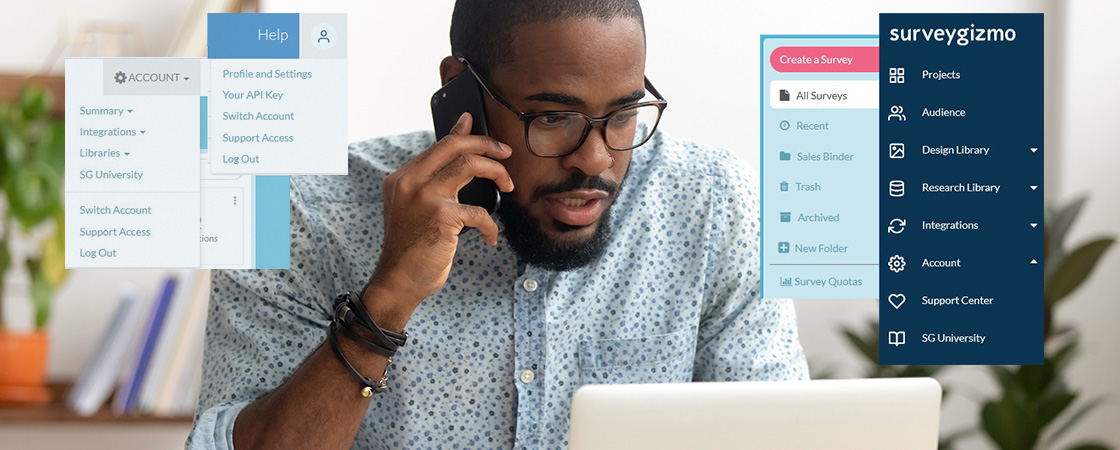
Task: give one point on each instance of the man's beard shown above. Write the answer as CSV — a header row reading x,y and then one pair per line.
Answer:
x,y
533,246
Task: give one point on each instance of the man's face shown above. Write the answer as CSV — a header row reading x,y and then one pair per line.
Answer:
x,y
560,205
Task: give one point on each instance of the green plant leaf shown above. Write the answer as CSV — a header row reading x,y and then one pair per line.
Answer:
x,y
5,256
919,371
1074,269
1063,220
1053,405
14,146
51,145
40,292
1009,426
1035,380
869,350
1089,446
34,193
35,102
1063,355
1006,379
1075,417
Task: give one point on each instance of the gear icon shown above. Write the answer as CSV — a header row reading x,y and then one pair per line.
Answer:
x,y
896,264
120,78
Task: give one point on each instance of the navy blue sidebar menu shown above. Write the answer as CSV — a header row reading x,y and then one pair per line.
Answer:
x,y
961,169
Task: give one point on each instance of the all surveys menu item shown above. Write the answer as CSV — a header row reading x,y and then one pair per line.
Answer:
x,y
960,189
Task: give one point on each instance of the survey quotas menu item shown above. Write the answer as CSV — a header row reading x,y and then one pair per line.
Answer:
x,y
820,168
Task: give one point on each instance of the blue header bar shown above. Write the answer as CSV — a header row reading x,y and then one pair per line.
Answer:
x,y
271,36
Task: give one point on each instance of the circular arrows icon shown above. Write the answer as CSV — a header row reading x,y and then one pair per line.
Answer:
x,y
900,223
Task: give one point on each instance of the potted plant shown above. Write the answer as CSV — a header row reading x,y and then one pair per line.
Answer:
x,y
1034,406
31,165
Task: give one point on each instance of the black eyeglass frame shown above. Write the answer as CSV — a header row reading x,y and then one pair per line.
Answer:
x,y
527,118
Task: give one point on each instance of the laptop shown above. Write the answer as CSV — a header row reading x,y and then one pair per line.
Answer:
x,y
885,413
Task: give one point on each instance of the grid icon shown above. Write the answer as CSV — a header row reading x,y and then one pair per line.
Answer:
x,y
896,75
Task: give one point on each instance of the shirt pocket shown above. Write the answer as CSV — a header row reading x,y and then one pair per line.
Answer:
x,y
662,358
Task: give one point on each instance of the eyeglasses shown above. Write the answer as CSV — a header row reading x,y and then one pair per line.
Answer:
x,y
553,134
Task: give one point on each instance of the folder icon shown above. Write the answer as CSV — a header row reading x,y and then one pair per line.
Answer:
x,y
783,156
783,95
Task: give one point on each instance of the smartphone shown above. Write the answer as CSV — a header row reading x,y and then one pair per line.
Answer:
x,y
464,94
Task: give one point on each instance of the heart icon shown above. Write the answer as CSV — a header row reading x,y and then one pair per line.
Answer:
x,y
896,300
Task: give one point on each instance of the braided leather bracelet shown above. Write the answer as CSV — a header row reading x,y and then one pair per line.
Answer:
x,y
349,310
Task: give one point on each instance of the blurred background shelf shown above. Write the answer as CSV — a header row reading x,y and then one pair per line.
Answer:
x,y
56,411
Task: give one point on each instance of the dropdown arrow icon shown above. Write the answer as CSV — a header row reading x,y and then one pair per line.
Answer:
x,y
142,132
186,78
1034,149
1033,187
1034,224
130,110
1033,261
125,153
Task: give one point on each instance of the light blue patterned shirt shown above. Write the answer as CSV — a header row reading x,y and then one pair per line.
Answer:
x,y
497,353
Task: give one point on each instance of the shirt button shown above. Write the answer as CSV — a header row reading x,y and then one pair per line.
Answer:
x,y
527,376
530,284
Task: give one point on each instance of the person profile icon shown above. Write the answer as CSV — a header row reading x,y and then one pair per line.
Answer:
x,y
323,37
896,113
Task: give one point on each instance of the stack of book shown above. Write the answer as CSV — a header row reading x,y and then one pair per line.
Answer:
x,y
151,352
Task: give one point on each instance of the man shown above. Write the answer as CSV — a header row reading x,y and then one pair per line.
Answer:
x,y
606,265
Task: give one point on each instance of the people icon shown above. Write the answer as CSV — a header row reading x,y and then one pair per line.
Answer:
x,y
896,113
323,37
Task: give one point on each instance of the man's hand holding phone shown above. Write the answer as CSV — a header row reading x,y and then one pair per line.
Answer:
x,y
423,219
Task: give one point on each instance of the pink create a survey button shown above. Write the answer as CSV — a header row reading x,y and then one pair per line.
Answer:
x,y
825,59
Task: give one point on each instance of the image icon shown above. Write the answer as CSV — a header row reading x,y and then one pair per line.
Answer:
x,y
897,150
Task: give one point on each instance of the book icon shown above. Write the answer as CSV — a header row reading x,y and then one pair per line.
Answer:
x,y
783,156
783,95
896,338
